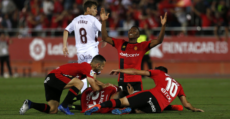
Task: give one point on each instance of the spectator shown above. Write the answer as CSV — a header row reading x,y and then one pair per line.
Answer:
x,y
4,53
221,18
8,6
48,7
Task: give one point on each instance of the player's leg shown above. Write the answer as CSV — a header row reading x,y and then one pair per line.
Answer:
x,y
52,97
8,65
174,107
2,65
74,87
137,86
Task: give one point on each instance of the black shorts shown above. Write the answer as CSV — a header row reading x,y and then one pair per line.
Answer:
x,y
137,86
53,87
144,101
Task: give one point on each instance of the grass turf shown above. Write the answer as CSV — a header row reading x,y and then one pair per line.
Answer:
x,y
211,95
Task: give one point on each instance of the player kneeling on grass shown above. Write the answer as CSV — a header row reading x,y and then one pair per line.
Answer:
x,y
64,77
148,101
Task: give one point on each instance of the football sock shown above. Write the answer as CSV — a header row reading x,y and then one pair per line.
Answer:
x,y
169,107
40,107
112,103
73,91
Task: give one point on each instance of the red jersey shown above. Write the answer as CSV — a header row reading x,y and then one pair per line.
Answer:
x,y
90,98
81,70
166,88
130,56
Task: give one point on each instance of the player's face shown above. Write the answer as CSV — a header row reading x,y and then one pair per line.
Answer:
x,y
93,10
100,66
133,32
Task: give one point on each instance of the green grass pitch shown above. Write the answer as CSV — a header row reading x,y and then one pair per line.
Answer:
x,y
211,95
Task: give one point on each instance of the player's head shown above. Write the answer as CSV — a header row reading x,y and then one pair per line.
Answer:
x,y
90,7
162,69
134,32
98,63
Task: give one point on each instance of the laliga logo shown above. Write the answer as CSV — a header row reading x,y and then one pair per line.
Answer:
x,y
37,49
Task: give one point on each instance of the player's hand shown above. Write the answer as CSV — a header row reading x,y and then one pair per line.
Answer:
x,y
164,20
65,51
103,15
115,72
198,110
130,89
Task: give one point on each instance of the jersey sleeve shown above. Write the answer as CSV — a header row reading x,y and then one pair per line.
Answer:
x,y
153,72
181,92
117,43
87,70
97,24
70,27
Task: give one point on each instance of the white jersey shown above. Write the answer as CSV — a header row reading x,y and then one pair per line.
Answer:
x,y
86,29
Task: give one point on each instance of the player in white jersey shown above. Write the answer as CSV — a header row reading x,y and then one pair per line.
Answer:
x,y
86,29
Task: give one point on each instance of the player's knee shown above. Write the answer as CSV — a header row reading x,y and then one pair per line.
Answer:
x,y
53,110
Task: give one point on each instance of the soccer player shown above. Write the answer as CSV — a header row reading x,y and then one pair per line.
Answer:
x,y
86,29
131,53
64,77
154,100
89,98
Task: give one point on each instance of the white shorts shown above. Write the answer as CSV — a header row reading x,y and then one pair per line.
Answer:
x,y
88,55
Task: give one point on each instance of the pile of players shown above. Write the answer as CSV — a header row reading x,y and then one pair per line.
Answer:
x,y
128,96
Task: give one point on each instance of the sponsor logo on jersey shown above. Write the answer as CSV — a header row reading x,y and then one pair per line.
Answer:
x,y
135,48
129,55
92,73
152,105
167,96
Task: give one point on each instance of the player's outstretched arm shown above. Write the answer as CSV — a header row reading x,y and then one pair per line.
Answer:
x,y
65,37
130,71
187,105
104,33
160,38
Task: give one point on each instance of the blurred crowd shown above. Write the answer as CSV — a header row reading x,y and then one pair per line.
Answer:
x,y
50,17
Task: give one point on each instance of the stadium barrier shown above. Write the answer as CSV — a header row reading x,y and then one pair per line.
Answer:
x,y
182,55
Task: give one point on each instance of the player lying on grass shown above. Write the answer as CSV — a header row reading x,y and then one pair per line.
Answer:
x,y
64,77
89,98
149,101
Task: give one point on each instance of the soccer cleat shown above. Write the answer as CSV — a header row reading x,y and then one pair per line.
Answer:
x,y
177,107
65,110
25,107
118,111
92,109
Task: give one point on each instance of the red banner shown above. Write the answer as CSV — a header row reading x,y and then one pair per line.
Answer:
x,y
172,48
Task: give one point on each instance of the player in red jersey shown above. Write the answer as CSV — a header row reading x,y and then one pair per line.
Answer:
x,y
89,98
148,101
64,77
131,53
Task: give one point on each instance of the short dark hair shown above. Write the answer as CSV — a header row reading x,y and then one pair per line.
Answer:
x,y
137,28
98,59
162,69
89,4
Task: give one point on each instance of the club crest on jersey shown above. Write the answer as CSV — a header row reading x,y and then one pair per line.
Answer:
x,y
123,46
135,48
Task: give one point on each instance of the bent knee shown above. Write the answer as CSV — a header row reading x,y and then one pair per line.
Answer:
x,y
53,111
